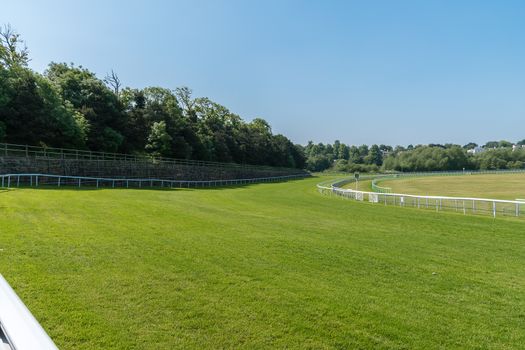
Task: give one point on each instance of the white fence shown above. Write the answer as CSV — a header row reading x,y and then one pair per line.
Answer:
x,y
465,205
384,189
39,180
19,330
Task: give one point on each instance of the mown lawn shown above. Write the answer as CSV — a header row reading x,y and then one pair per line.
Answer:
x,y
261,266
499,186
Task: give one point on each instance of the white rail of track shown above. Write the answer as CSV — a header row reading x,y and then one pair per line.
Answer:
x,y
19,330
36,180
465,205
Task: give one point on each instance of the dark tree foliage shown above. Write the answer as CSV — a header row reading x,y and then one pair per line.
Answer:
x,y
69,106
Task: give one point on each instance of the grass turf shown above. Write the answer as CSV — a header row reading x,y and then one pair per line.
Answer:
x,y
261,266
498,186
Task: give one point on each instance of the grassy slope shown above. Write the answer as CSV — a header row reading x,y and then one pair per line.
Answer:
x,y
502,186
270,265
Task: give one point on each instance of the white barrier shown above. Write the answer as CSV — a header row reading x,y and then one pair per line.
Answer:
x,y
465,205
37,180
19,330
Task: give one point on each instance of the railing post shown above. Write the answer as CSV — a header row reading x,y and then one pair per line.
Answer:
x,y
494,208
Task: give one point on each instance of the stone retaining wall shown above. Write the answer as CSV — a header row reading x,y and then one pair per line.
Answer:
x,y
136,169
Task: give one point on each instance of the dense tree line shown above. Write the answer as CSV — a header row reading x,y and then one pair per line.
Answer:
x,y
341,157
69,106
433,157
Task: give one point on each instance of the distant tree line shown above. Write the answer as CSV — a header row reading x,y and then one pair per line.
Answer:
x,y
68,106
433,157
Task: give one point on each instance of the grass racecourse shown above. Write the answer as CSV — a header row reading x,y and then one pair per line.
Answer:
x,y
497,186
260,266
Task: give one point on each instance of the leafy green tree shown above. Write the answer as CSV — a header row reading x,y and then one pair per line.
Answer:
x,y
91,97
491,144
35,113
159,141
504,143
318,163
13,51
470,145
374,156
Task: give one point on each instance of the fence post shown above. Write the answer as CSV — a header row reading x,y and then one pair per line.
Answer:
x,y
494,208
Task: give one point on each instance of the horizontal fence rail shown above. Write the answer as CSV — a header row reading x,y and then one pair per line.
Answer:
x,y
384,189
19,330
39,180
14,150
464,205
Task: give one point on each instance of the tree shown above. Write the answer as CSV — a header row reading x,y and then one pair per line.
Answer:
x,y
374,156
318,163
91,97
491,144
344,152
114,82
34,113
504,144
470,145
13,51
159,141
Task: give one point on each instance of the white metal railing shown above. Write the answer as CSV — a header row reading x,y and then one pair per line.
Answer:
x,y
383,189
465,205
19,330
38,180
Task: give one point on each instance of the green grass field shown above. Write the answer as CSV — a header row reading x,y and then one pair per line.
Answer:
x,y
261,266
499,186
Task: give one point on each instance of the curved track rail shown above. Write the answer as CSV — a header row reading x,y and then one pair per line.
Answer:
x,y
465,205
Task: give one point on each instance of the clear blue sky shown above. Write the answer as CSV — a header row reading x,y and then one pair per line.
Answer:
x,y
394,72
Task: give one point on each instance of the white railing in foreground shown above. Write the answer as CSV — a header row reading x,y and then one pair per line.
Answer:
x,y
36,180
465,205
21,330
